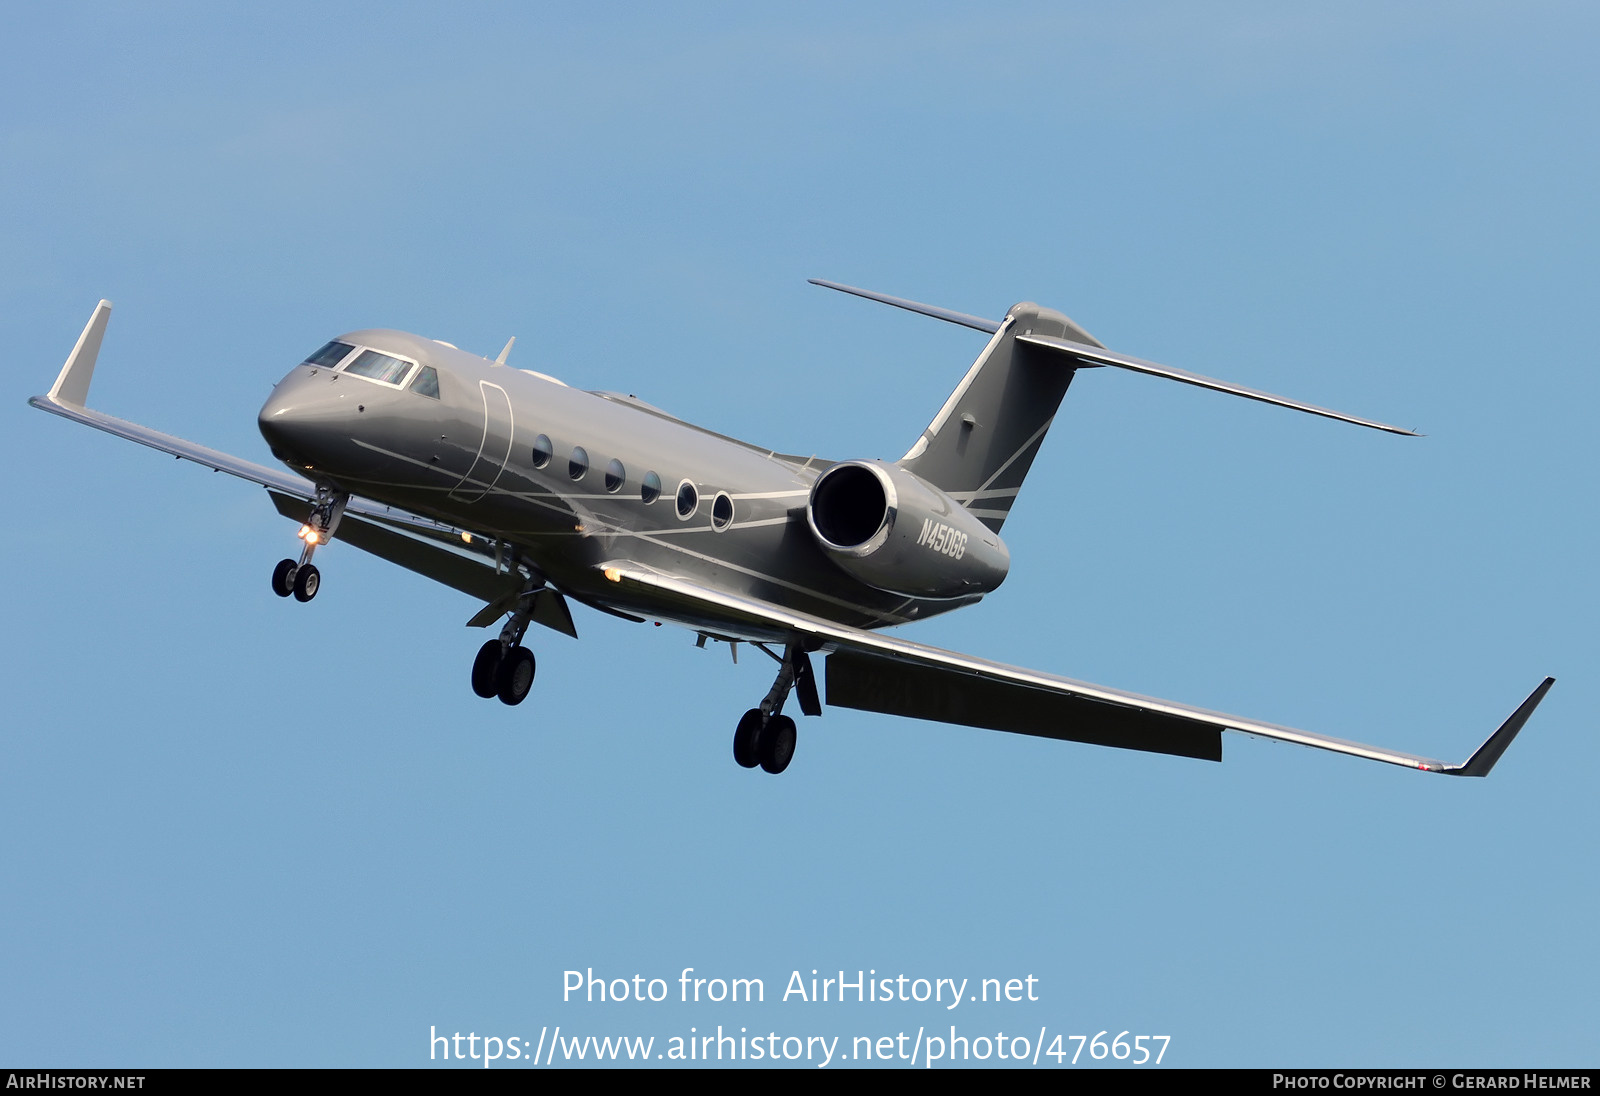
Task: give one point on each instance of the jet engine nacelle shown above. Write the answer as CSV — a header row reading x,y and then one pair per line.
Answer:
x,y
896,532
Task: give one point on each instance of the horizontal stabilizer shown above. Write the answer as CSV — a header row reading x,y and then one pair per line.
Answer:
x,y
1094,355
977,323
1088,351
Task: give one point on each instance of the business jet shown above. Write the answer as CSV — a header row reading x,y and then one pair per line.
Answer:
x,y
527,495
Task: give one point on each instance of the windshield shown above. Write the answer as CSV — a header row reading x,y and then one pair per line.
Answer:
x,y
331,354
380,367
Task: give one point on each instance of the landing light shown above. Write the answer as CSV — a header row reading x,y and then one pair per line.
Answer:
x,y
613,573
466,538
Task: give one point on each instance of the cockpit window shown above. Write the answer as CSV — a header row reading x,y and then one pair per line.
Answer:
x,y
427,382
330,355
380,367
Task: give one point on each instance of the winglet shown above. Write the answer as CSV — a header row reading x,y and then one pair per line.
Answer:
x,y
72,387
1481,762
506,353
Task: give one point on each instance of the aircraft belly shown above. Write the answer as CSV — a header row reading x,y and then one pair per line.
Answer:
x,y
776,564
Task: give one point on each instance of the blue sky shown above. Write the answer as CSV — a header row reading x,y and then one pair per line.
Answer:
x,y
243,831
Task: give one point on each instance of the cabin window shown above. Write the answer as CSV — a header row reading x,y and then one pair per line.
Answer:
x,y
722,512
379,367
688,500
579,462
542,450
331,354
650,488
427,382
615,475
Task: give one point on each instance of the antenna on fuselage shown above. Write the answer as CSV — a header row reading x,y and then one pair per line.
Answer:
x,y
506,353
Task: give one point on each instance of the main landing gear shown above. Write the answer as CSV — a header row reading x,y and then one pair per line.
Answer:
x,y
302,579
765,736
504,668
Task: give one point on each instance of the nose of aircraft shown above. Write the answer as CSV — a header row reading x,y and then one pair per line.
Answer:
x,y
302,419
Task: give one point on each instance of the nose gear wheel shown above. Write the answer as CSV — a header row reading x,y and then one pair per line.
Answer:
x,y
283,577
301,578
307,580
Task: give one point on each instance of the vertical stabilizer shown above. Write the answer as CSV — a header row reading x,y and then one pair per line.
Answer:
x,y
982,442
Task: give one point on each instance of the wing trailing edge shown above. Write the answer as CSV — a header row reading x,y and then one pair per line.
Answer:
x,y
890,687
888,674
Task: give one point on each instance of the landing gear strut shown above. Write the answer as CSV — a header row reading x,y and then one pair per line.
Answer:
x,y
302,579
765,736
504,668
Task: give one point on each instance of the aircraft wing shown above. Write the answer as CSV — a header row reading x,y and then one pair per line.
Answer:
x,y
274,479
216,460
882,673
406,547
71,391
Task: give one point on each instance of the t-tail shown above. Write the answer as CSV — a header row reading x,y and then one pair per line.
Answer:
x,y
980,445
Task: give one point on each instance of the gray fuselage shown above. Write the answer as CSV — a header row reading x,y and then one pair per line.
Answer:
x,y
570,479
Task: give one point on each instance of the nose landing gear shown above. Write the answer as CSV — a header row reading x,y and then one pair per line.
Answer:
x,y
765,736
302,579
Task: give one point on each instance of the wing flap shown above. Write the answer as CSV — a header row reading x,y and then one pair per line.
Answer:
x,y
880,684
883,685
